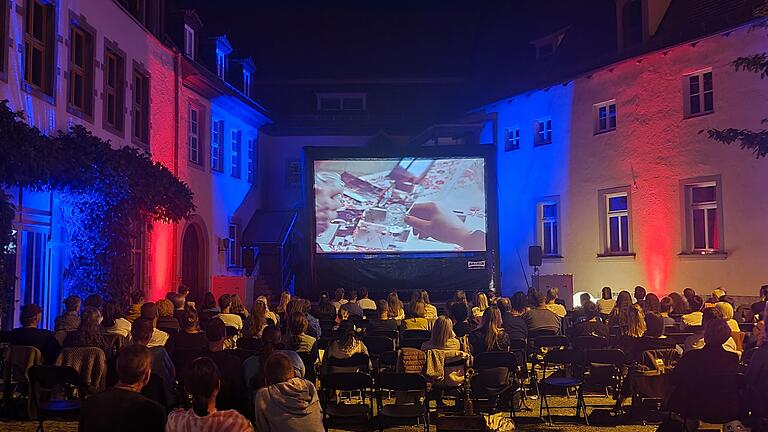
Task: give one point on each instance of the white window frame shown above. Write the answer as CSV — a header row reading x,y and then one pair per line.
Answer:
x,y
700,95
189,41
195,149
217,145
251,156
689,207
221,64
605,107
237,154
543,131
232,249
511,139
544,224
606,215
247,83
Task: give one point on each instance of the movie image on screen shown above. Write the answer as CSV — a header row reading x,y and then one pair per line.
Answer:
x,y
400,205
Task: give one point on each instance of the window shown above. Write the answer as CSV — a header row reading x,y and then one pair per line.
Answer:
x,y
549,235
704,229
251,159
217,145
615,221
605,116
341,102
237,136
194,136
247,83
140,107
699,93
189,41
232,251
114,89
221,63
511,139
80,70
39,45
543,132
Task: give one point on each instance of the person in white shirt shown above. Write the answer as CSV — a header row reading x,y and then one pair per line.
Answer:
x,y
159,338
557,309
607,302
363,301
229,319
338,299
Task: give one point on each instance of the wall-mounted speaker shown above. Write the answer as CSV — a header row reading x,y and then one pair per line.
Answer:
x,y
534,256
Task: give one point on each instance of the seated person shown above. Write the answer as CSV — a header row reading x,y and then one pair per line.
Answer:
x,y
442,336
553,304
590,326
712,358
512,315
159,337
363,300
665,307
179,301
694,318
697,341
254,373
229,319
345,346
415,319
189,342
541,319
653,338
758,307
352,306
726,310
297,339
69,320
202,382
134,309
490,336
289,403
28,334
232,393
459,312
480,305
430,311
383,322
114,322
123,404
166,321
162,366
757,380
90,333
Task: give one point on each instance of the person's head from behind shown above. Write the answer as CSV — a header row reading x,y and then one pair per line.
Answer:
x,y
481,300
654,324
726,310
590,311
639,293
424,296
141,331
338,295
165,308
352,296
459,312
382,308
31,314
585,298
551,295
236,307
216,332
709,314
665,305
112,312
271,336
202,381
362,293
764,292
395,305
225,302
491,320
652,303
190,320
297,323
716,333
442,331
688,293
344,312
717,293
72,303
134,365
179,300
417,309
94,300
606,293
503,304
536,297
636,322
285,297
519,302
460,296
695,303
623,300
209,301
149,310
90,319
278,369
137,297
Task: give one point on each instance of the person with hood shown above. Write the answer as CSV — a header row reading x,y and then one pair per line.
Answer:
x,y
288,403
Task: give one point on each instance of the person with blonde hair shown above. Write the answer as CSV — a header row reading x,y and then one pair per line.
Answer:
x,y
256,321
490,336
269,314
442,336
481,304
237,307
165,320
636,321
726,310
552,305
416,319
395,306
430,311
285,298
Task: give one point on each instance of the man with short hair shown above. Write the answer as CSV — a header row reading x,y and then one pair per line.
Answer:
x,y
122,408
590,326
232,393
693,318
512,320
540,319
150,311
640,296
179,302
288,404
363,300
352,306
28,334
229,319
141,334
69,320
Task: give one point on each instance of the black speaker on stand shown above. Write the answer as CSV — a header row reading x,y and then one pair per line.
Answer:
x,y
534,260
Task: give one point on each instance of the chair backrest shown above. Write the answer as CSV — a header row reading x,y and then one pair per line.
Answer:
x,y
605,356
415,334
518,345
533,334
377,344
402,382
494,359
347,381
590,342
679,338
553,341
89,362
47,376
412,342
356,363
564,357
391,334
713,399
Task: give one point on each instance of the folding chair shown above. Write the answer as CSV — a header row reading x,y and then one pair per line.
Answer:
x,y
605,368
679,338
582,343
377,345
714,399
347,381
566,358
356,363
55,379
415,334
539,345
495,376
416,408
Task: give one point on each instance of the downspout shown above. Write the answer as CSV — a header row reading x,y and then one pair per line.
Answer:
x,y
176,99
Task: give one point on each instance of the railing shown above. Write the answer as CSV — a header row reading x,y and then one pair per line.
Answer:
x,y
286,255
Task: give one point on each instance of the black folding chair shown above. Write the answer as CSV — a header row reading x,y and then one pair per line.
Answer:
x,y
310,360
56,380
415,334
412,342
495,377
391,334
582,343
566,359
356,363
605,368
414,408
377,345
679,338
714,398
539,346
347,412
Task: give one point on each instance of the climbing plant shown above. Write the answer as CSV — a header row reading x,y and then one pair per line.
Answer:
x,y
103,195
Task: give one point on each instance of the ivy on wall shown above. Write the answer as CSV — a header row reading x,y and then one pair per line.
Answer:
x,y
104,194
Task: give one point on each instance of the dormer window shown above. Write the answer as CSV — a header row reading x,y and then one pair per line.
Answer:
x,y
247,83
221,63
341,102
189,41
547,45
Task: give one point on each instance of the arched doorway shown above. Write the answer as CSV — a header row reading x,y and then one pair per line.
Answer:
x,y
194,268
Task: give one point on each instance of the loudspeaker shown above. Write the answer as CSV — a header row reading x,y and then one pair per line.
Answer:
x,y
534,256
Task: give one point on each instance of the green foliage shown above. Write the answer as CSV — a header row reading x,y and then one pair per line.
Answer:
x,y
105,194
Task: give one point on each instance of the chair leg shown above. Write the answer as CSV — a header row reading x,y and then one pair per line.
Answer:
x,y
546,404
40,427
580,395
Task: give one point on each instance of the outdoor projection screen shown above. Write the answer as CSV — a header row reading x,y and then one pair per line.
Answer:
x,y
393,205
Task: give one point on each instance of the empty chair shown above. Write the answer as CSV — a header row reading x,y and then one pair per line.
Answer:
x,y
356,363
567,359
548,342
18,360
362,412
590,342
46,381
495,376
404,409
605,368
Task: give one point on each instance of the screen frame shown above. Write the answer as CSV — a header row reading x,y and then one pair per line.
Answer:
x,y
486,152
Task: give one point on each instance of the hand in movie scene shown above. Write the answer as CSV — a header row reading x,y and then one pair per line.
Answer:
x,y
430,220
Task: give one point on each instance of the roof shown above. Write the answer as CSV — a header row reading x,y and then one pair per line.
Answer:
x,y
268,227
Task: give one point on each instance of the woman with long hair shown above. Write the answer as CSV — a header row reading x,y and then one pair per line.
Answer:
x,y
396,310
460,297
90,333
480,304
652,303
297,338
679,304
490,336
620,314
271,316
114,321
430,311
202,382
442,336
237,307
416,319
256,321
347,345
285,297
636,322
325,308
